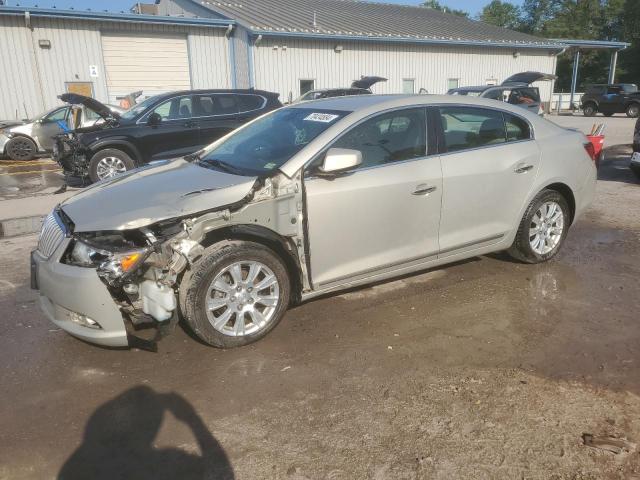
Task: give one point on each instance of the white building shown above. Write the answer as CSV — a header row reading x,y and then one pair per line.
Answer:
x,y
287,46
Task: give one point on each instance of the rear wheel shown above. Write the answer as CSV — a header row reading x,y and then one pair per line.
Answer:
x,y
21,148
542,229
633,110
589,110
108,163
235,294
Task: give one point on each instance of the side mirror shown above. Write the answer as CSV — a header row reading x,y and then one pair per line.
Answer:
x,y
154,119
340,159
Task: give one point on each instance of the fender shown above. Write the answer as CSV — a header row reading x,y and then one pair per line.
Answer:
x,y
120,144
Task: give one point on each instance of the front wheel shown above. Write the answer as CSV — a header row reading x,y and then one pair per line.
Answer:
x,y
633,110
542,229
108,163
589,110
235,294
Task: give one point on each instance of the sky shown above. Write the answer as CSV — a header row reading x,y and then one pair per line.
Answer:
x,y
471,6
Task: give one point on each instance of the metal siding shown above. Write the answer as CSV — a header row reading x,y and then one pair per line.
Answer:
x,y
18,98
76,44
241,40
209,58
430,66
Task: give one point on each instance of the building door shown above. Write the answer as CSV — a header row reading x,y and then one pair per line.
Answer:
x,y
151,63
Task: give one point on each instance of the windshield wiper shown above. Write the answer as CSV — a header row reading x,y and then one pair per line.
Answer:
x,y
220,165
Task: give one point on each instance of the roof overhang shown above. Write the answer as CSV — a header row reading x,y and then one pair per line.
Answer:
x,y
592,44
115,17
552,45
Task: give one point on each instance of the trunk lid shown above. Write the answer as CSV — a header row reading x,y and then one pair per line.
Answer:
x,y
528,78
367,82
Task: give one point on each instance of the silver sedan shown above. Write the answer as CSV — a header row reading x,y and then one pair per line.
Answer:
x,y
309,199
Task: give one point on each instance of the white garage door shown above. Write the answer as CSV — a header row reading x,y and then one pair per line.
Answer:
x,y
152,63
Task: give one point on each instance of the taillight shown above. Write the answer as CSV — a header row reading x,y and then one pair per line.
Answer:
x,y
590,150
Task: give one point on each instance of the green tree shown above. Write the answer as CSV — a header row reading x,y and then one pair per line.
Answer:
x,y
501,14
536,14
435,5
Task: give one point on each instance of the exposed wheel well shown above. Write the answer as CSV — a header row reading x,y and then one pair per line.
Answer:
x,y
281,246
122,147
567,193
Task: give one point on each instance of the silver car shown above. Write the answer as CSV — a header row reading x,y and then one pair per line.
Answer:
x,y
23,140
308,199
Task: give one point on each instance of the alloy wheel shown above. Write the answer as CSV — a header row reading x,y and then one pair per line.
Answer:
x,y
547,227
242,299
110,167
21,149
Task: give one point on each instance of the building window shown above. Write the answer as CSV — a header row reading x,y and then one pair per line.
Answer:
x,y
453,83
408,85
306,86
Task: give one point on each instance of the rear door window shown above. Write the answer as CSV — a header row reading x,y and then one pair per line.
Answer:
x,y
517,129
469,127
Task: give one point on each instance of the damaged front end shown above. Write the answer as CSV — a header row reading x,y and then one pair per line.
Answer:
x,y
142,267
70,154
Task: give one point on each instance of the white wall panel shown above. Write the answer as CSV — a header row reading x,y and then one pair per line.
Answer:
x,y
281,62
31,77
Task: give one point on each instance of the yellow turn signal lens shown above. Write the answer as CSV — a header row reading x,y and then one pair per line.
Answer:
x,y
130,261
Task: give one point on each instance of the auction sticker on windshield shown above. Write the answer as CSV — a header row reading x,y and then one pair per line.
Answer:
x,y
321,117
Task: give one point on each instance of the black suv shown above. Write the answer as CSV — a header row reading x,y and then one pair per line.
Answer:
x,y
610,99
163,126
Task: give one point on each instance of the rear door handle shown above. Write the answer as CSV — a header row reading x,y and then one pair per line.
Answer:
x,y
424,189
523,168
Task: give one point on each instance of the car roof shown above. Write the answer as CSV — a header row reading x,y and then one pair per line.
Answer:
x,y
382,102
362,106
216,90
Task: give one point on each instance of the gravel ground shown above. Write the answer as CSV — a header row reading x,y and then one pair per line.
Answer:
x,y
486,369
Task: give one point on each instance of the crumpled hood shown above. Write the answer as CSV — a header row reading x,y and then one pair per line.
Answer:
x,y
158,192
91,103
10,123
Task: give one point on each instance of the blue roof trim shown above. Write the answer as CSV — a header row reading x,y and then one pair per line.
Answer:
x,y
116,17
428,41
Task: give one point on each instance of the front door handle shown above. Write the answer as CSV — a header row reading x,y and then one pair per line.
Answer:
x,y
424,190
523,168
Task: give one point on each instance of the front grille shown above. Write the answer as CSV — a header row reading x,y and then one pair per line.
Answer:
x,y
51,235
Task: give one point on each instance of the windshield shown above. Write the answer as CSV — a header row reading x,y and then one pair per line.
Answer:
x,y
137,109
270,141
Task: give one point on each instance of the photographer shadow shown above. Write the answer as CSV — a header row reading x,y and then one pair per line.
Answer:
x,y
119,439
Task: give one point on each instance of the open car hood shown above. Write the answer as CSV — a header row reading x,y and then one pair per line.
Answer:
x,y
529,78
367,82
150,194
91,103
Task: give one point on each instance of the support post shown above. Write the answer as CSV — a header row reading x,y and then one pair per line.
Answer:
x,y
612,66
574,78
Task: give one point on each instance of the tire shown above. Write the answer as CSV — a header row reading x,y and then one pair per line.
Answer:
x,y
21,148
589,110
197,292
109,162
633,110
522,248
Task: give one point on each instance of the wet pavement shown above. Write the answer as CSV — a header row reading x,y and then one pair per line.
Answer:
x,y
486,369
31,177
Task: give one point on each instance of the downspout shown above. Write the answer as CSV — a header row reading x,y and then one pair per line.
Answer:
x,y
232,54
34,62
574,77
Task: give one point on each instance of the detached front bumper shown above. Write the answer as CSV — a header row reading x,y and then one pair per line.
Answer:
x,y
69,293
